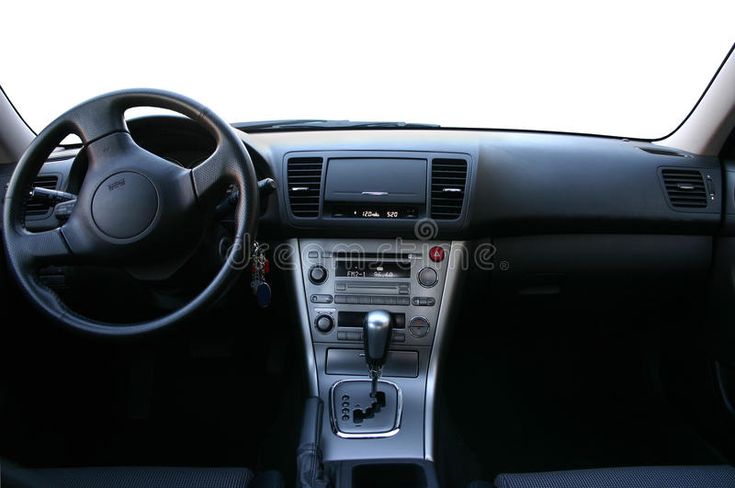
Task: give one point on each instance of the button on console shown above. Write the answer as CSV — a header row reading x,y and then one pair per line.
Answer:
x,y
399,336
318,274
321,299
436,254
427,277
354,336
324,323
418,327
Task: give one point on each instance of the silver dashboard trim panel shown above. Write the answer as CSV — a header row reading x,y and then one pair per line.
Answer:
x,y
297,280
411,439
452,285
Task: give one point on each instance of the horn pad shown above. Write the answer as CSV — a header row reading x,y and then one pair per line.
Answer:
x,y
124,205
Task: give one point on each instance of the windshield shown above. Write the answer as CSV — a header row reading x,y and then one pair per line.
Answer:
x,y
631,69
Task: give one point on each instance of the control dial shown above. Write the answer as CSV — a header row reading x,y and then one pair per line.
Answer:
x,y
418,327
324,323
318,274
427,277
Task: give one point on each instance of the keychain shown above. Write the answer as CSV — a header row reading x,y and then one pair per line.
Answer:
x,y
259,268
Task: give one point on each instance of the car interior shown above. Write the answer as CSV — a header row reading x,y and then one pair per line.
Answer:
x,y
191,302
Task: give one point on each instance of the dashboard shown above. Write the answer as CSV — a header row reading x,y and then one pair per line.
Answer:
x,y
505,183
450,184
535,214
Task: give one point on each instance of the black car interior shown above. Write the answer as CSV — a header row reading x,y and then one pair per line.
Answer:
x,y
190,303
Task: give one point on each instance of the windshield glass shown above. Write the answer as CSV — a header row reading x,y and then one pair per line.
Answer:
x,y
631,69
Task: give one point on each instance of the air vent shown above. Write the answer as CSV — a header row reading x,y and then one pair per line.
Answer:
x,y
685,188
304,186
36,207
448,180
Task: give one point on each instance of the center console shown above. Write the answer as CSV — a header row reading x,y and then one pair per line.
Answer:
x,y
405,282
374,311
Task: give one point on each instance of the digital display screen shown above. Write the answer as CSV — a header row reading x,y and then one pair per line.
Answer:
x,y
373,269
375,212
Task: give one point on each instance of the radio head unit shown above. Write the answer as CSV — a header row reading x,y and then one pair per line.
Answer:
x,y
348,280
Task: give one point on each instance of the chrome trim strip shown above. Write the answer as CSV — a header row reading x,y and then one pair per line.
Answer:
x,y
297,280
458,257
299,188
376,435
375,193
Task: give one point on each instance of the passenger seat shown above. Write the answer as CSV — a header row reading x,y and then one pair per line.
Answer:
x,y
636,477
137,477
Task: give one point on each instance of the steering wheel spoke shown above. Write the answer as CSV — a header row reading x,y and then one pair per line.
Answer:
x,y
68,244
210,177
97,118
39,248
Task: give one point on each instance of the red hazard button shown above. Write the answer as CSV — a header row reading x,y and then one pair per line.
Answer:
x,y
436,254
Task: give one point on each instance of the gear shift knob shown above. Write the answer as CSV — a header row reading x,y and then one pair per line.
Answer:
x,y
376,332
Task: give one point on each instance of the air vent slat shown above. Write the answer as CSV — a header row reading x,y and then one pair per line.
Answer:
x,y
679,177
448,180
685,188
35,207
443,181
695,197
304,185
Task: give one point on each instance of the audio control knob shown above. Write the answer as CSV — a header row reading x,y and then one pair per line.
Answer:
x,y
324,323
427,277
418,327
318,274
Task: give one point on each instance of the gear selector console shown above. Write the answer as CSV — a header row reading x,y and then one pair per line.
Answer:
x,y
356,412
373,309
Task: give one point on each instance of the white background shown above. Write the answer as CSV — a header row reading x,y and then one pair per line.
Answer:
x,y
622,68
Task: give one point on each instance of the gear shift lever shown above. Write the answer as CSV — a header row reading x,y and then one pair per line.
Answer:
x,y
376,332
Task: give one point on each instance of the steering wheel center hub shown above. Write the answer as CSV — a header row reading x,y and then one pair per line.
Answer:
x,y
124,205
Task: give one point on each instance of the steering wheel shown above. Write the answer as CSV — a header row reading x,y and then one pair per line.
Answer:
x,y
131,205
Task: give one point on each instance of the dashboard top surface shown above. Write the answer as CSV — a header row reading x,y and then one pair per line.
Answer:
x,y
517,182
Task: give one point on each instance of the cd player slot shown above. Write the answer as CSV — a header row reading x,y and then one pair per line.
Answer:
x,y
386,256
371,300
373,287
